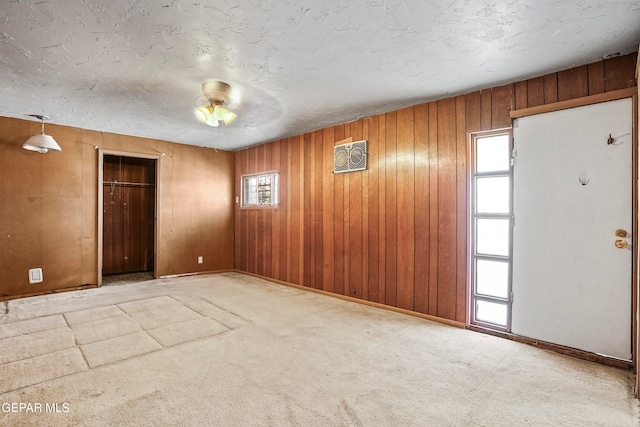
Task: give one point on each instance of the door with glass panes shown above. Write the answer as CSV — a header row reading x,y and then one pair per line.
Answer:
x,y
491,226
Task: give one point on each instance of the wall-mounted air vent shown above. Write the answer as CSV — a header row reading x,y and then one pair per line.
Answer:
x,y
350,157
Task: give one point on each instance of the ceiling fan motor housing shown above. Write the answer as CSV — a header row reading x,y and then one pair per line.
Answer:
x,y
217,92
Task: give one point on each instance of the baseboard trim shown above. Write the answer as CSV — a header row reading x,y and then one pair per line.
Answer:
x,y
83,287
360,301
54,291
197,273
557,348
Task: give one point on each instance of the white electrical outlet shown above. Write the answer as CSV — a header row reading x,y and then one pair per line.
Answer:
x,y
35,275
200,260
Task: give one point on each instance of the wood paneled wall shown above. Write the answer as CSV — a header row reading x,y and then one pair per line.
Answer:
x,y
48,206
396,233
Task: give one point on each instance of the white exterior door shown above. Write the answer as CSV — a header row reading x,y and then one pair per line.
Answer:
x,y
572,190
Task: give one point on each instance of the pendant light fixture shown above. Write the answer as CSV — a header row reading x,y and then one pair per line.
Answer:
x,y
41,143
216,113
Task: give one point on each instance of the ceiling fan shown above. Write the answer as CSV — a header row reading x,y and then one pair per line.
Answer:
x,y
219,96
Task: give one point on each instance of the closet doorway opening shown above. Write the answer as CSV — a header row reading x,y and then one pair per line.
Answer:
x,y
127,218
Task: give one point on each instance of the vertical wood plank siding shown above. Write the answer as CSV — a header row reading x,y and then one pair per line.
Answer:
x,y
397,232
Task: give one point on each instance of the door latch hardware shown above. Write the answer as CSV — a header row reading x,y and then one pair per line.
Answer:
x,y
622,233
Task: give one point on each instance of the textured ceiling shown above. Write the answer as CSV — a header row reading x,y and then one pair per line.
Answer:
x,y
135,67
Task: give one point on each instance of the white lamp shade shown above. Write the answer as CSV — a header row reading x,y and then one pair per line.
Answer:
x,y
203,113
221,113
41,143
212,121
213,115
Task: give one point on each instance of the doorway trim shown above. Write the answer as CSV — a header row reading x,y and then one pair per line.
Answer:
x,y
156,226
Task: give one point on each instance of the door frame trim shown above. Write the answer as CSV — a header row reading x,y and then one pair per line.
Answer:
x,y
156,225
576,102
634,242
557,348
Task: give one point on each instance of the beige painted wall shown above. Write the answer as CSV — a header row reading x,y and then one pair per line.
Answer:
x,y
48,206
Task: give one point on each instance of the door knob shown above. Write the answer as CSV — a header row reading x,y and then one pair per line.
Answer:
x,y
622,233
621,244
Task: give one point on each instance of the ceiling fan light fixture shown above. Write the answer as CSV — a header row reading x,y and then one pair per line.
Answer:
x,y
222,114
41,142
218,93
203,113
212,121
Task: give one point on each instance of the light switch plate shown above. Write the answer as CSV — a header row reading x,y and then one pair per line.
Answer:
x,y
35,275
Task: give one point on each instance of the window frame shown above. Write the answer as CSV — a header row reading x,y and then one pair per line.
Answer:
x,y
275,183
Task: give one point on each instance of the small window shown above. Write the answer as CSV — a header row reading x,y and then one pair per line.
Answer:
x,y
260,189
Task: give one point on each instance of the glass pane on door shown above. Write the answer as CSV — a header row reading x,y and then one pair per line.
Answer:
x,y
492,278
492,236
493,154
491,312
493,194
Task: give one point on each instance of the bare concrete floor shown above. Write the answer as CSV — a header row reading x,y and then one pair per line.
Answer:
x,y
233,350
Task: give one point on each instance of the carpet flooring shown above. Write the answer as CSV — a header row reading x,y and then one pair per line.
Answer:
x,y
127,279
233,350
